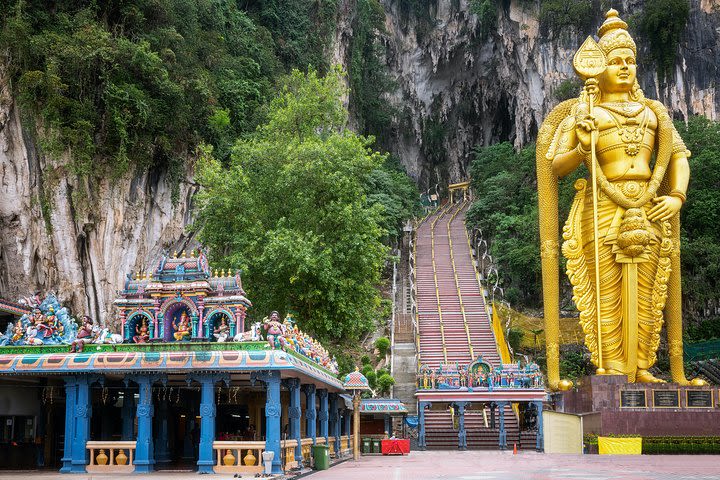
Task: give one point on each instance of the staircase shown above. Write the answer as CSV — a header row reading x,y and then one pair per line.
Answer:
x,y
452,317
454,325
442,436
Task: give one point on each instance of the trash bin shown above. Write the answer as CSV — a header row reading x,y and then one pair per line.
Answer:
x,y
376,445
321,454
366,445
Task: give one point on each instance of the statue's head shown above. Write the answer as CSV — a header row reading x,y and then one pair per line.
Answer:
x,y
274,316
620,50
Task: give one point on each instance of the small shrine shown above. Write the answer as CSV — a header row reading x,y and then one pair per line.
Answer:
x,y
181,299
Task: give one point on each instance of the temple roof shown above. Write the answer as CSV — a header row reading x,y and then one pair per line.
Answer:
x,y
356,381
382,405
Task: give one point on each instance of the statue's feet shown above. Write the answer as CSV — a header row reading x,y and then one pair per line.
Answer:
x,y
643,376
698,382
612,371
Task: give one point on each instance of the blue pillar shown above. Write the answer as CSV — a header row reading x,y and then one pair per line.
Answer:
x,y
70,400
334,421
294,413
540,441
462,434
273,410
387,427
144,451
207,423
81,432
502,437
347,417
128,415
310,412
338,426
421,424
163,448
323,394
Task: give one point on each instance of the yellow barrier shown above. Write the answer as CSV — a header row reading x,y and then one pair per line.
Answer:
x,y
500,337
619,446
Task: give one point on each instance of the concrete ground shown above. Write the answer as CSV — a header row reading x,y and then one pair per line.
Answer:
x,y
485,465
474,465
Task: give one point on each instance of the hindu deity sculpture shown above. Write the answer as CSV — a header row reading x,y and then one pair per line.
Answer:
x,y
222,331
142,332
621,239
18,333
182,328
274,329
85,334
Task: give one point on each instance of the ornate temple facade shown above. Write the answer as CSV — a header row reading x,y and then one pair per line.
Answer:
x,y
182,386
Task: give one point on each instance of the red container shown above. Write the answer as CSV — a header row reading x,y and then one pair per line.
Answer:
x,y
395,447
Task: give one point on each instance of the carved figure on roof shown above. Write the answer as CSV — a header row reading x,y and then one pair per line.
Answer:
x,y
104,335
274,329
252,335
142,332
85,335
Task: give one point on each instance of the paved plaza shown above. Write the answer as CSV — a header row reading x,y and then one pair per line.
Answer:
x,y
474,465
486,465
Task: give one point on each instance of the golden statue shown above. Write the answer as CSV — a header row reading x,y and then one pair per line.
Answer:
x,y
624,219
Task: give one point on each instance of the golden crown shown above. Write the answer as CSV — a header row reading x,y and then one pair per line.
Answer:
x,y
613,34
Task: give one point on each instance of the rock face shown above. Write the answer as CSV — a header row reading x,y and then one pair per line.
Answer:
x,y
457,88
52,238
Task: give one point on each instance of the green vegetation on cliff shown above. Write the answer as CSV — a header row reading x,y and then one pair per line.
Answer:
x,y
119,84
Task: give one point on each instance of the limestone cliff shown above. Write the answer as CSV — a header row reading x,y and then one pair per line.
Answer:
x,y
457,88
81,246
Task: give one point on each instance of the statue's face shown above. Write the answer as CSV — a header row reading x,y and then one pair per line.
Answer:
x,y
620,73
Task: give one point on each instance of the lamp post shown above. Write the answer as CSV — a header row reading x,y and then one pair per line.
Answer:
x,y
356,382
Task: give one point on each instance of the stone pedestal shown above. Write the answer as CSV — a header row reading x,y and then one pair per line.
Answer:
x,y
612,406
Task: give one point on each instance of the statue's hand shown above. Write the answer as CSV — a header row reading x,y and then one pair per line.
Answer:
x,y
665,208
583,131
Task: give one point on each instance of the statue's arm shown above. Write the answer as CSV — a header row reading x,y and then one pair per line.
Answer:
x,y
679,173
569,154
678,177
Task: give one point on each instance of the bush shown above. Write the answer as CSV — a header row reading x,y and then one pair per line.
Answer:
x,y
567,89
365,360
372,379
382,344
384,382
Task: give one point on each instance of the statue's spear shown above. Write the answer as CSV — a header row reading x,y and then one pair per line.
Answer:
x,y
589,62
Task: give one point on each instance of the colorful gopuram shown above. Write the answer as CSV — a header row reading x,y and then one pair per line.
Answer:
x,y
182,288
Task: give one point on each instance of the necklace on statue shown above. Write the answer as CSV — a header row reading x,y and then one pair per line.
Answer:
x,y
631,131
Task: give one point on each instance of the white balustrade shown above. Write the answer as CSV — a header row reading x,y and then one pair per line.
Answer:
x,y
111,456
246,457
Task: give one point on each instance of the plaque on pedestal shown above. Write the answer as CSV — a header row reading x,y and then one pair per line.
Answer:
x,y
633,399
666,398
698,399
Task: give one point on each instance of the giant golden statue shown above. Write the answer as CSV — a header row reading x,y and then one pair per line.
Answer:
x,y
621,239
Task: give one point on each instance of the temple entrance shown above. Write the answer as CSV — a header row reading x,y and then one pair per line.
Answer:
x,y
177,428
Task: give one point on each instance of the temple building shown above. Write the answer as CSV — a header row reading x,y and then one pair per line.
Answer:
x,y
182,386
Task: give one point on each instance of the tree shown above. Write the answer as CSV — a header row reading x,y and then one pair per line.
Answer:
x,y
291,211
